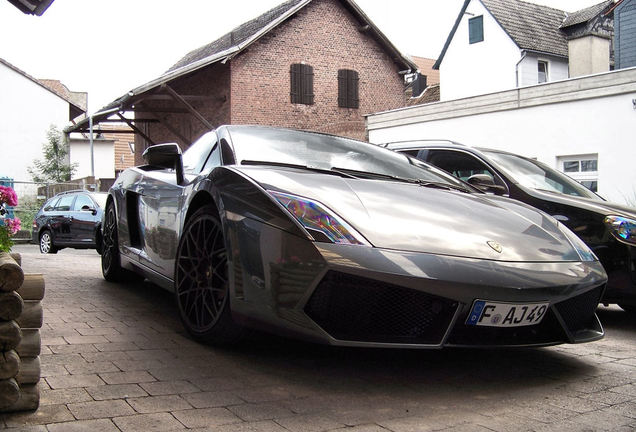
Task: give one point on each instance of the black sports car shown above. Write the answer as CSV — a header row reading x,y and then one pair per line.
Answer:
x,y
343,242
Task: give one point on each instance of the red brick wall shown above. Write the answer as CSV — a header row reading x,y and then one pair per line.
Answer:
x,y
324,35
212,82
254,87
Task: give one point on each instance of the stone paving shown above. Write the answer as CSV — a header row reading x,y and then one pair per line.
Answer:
x,y
115,358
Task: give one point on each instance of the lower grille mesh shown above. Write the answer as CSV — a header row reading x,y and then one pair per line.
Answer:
x,y
578,313
352,308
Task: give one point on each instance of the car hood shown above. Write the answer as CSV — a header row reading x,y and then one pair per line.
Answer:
x,y
410,217
604,208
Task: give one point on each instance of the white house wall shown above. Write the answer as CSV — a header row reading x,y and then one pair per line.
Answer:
x,y
558,69
27,110
103,157
483,67
589,115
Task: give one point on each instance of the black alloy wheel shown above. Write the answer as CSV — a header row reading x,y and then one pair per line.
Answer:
x,y
111,265
46,243
201,280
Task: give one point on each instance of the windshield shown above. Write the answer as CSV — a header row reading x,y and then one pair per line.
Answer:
x,y
535,175
329,153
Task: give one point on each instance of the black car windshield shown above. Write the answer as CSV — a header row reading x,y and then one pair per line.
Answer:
x,y
535,175
328,152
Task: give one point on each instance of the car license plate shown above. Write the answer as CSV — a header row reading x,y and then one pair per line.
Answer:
x,y
495,314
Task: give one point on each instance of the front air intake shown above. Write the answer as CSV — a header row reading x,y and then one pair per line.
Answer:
x,y
352,308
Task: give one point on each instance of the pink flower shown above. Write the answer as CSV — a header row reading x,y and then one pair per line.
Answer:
x,y
13,225
8,196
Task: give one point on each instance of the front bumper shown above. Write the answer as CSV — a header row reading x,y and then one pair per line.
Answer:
x,y
364,296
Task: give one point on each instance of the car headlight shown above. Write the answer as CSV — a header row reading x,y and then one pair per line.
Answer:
x,y
624,229
321,223
584,251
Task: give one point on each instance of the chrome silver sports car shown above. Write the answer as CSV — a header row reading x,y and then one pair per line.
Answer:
x,y
342,242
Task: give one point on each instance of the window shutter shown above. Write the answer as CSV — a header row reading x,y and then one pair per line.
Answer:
x,y
352,89
308,84
295,83
348,96
342,88
476,29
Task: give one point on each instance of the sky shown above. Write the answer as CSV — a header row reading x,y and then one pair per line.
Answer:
x,y
108,47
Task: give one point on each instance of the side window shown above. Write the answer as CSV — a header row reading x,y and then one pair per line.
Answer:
x,y
412,153
476,29
460,164
227,155
301,78
348,89
65,203
50,205
542,71
82,201
214,160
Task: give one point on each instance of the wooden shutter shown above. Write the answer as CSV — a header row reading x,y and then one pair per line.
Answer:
x,y
307,84
348,89
295,79
301,78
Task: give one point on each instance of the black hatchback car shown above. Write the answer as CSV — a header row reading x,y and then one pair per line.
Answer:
x,y
608,229
69,219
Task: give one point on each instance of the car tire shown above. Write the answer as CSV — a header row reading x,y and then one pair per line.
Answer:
x,y
46,243
111,260
201,280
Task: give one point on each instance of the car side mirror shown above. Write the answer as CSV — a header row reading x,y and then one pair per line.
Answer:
x,y
485,183
89,209
165,156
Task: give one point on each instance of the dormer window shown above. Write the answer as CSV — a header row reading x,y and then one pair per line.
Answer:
x,y
476,29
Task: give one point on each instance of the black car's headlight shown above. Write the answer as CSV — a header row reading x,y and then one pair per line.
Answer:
x,y
624,229
321,223
582,249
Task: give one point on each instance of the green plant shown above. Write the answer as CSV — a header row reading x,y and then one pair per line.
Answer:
x,y
54,167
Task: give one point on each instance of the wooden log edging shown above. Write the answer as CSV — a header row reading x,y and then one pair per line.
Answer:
x,y
21,318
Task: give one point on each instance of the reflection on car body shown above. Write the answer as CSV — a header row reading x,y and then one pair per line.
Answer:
x,y
608,229
337,241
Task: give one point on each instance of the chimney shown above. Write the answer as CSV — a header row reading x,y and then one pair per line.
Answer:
x,y
589,54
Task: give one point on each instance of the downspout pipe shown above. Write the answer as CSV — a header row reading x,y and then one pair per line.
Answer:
x,y
523,56
90,134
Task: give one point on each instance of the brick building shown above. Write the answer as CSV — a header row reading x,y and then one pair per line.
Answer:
x,y
308,64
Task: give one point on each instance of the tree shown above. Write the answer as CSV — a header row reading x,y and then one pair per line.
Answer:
x,y
54,168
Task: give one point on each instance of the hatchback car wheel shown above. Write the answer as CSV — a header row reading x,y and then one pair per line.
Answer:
x,y
46,243
201,280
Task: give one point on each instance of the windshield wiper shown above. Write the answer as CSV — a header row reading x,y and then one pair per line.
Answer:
x,y
371,175
442,185
297,166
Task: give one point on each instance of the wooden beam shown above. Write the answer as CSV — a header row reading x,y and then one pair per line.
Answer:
x,y
136,129
169,110
164,121
136,120
189,107
185,97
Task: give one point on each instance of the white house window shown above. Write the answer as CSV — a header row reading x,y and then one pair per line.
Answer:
x,y
476,29
542,69
582,168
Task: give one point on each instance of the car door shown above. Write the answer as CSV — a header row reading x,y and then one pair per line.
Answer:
x,y
60,219
83,220
161,200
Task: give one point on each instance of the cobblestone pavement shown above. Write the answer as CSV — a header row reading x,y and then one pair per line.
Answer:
x,y
115,358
